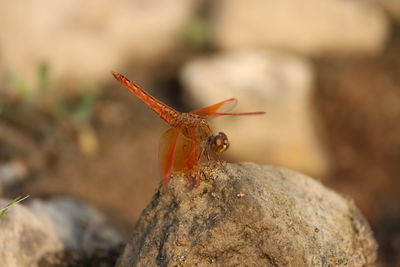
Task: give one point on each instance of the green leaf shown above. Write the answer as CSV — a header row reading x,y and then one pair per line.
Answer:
x,y
15,201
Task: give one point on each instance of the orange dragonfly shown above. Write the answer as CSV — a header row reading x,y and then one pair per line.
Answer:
x,y
190,139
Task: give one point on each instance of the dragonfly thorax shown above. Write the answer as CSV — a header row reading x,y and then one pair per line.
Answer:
x,y
193,126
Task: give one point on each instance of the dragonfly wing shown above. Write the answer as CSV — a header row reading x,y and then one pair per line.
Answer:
x,y
213,110
167,152
177,153
221,108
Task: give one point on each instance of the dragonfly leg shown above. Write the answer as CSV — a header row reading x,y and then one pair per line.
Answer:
x,y
197,180
195,175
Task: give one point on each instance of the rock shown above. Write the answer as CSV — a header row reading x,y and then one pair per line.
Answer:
x,y
309,27
101,258
44,229
246,214
79,226
82,42
24,237
280,84
12,172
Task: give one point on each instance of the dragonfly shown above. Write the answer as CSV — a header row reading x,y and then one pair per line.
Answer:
x,y
189,140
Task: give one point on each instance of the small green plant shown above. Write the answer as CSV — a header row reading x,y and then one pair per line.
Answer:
x,y
44,98
198,32
44,95
31,92
86,105
13,202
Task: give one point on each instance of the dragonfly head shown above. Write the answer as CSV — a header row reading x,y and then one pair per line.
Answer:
x,y
218,142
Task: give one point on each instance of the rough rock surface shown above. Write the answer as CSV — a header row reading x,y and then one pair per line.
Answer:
x,y
308,26
280,84
250,215
24,237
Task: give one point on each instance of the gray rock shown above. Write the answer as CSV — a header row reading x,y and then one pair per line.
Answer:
x,y
79,226
24,237
280,84
250,215
42,228
311,27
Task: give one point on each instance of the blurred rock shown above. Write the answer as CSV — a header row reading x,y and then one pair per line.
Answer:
x,y
79,226
392,7
246,213
280,84
44,229
100,258
311,27
85,40
25,237
12,172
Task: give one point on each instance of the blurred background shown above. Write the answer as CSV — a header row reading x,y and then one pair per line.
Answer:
x,y
327,73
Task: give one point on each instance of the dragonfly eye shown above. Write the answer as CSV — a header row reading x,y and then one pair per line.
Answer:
x,y
218,142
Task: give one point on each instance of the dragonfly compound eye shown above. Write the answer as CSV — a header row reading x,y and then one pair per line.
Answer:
x,y
218,142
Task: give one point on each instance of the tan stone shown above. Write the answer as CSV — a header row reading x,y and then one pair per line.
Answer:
x,y
311,27
84,41
280,84
250,215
